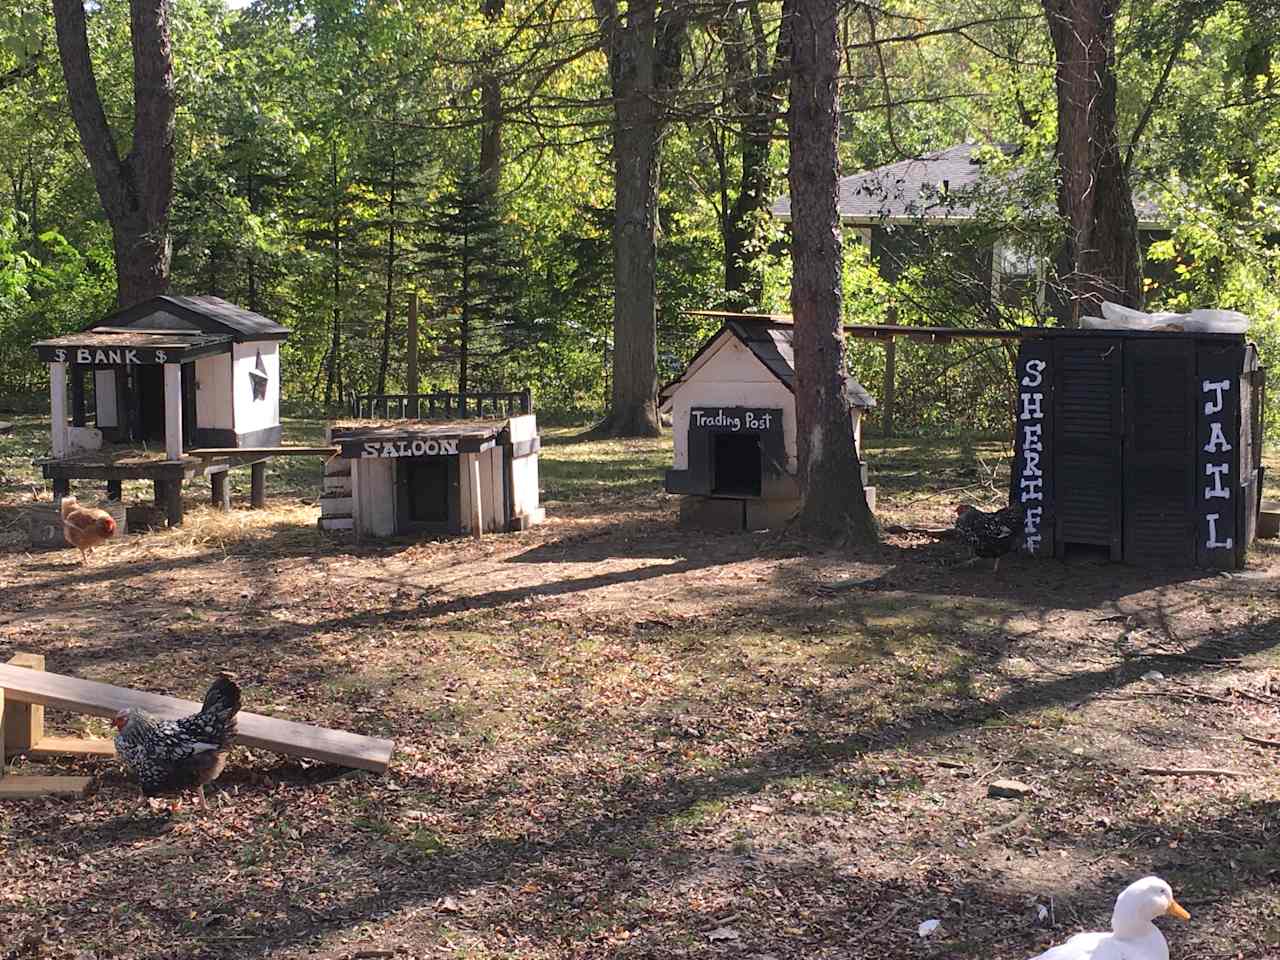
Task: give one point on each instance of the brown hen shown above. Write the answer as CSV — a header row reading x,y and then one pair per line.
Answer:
x,y
85,527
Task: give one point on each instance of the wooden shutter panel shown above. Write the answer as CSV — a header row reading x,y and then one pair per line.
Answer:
x,y
1160,432
1087,443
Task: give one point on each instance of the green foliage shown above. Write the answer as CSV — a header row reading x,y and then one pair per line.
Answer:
x,y
316,137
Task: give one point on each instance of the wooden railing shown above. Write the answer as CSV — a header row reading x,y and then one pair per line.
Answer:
x,y
440,406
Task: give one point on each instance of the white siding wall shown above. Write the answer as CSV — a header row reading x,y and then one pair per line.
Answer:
x,y
213,392
524,495
374,496
251,414
104,392
731,377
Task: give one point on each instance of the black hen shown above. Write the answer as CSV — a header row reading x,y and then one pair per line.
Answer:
x,y
990,534
169,755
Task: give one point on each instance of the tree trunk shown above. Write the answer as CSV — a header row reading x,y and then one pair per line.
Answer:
x,y
757,83
1099,257
384,360
491,111
333,366
634,408
136,191
643,51
830,478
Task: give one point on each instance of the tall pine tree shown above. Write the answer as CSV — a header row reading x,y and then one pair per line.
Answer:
x,y
470,275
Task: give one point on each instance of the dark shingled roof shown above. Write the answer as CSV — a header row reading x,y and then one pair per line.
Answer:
x,y
174,314
936,186
771,342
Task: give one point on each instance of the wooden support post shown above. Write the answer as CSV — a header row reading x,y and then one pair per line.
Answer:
x,y
115,489
173,411
258,484
220,490
890,391
61,488
58,408
23,722
173,501
471,464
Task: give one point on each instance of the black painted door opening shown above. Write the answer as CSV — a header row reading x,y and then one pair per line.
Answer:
x,y
149,394
428,483
736,465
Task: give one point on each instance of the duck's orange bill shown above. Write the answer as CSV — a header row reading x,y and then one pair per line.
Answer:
x,y
1176,910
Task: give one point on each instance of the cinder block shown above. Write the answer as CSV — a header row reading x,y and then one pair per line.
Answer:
x,y
711,513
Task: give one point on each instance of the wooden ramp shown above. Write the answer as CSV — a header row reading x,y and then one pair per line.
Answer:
x,y
23,685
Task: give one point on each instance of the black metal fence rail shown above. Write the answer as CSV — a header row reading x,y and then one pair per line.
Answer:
x,y
440,406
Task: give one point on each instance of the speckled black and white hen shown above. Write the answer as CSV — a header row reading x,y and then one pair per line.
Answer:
x,y
170,755
992,534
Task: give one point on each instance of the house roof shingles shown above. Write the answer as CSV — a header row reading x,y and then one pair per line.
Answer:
x,y
771,343
202,314
933,187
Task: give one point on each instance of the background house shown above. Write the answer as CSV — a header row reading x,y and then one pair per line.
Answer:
x,y
942,209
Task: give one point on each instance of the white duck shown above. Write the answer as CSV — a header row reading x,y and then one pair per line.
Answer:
x,y
1133,936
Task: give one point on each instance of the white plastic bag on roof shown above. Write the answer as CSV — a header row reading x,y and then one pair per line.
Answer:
x,y
1117,317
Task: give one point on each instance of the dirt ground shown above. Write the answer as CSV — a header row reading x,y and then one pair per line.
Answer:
x,y
619,739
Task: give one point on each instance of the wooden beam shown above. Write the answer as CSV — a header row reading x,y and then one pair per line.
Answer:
x,y
210,452
58,408
72,747
173,411
471,476
282,736
23,722
33,788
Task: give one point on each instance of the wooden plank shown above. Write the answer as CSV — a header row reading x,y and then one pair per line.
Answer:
x,y
71,746
282,736
471,481
173,411
23,722
205,452
33,788
337,523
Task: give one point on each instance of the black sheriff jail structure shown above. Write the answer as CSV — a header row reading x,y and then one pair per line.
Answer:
x,y
1147,445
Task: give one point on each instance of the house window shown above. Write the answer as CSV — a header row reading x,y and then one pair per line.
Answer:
x,y
1017,274
258,378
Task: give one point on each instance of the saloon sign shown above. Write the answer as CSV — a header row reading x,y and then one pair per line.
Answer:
x,y
387,449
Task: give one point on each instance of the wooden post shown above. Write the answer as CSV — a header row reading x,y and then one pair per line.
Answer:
x,y
412,359
58,408
61,488
220,490
890,377
173,411
471,462
258,484
23,722
172,494
115,489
